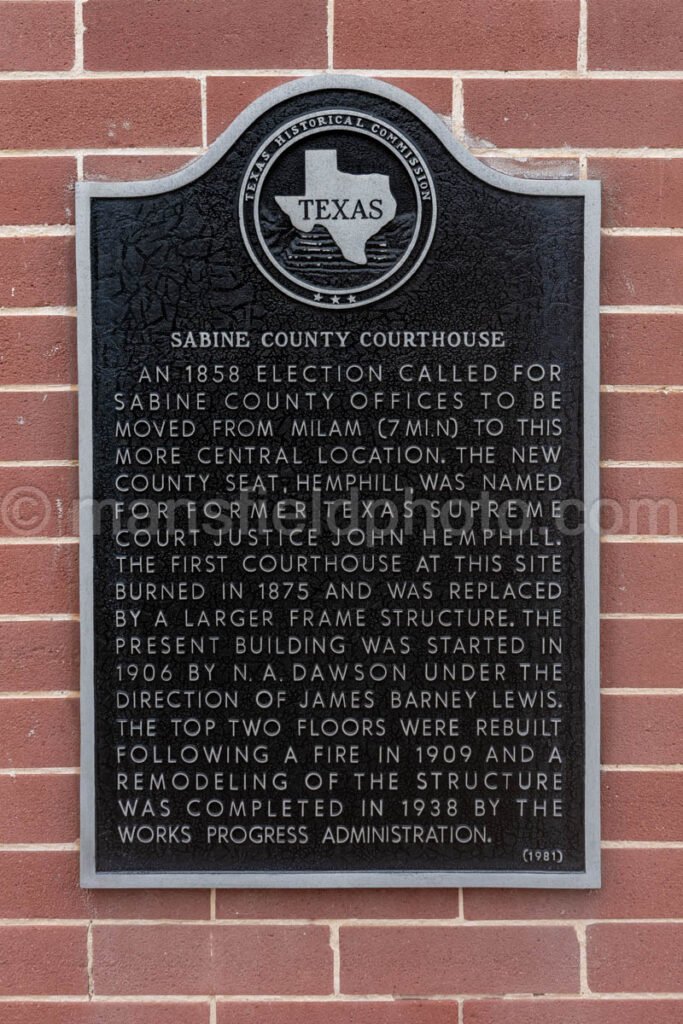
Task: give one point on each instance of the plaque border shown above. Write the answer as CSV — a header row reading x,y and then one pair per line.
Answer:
x,y
590,190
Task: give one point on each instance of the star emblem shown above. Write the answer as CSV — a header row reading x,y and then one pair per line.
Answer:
x,y
317,297
352,298
335,300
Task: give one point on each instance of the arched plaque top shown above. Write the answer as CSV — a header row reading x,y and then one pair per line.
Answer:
x,y
367,86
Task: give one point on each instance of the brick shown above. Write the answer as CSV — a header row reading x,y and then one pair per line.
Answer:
x,y
564,112
584,1011
100,113
635,883
43,960
642,427
526,35
435,93
642,806
39,502
36,36
44,884
38,809
38,350
38,425
639,193
638,35
234,904
196,960
641,271
142,34
635,957
642,501
641,578
37,272
406,1012
130,168
106,1013
227,97
533,167
49,199
40,733
642,729
639,349
40,579
39,655
431,961
638,652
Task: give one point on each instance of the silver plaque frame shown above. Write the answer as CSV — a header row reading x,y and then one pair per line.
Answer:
x,y
590,190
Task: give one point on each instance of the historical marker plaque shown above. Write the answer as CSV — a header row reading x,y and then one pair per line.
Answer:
x,y
338,386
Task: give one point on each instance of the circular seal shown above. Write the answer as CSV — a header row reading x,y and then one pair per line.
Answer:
x,y
337,208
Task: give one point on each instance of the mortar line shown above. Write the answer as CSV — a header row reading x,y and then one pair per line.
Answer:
x,y
560,152
366,923
638,464
152,1000
91,961
40,464
582,40
641,844
36,388
644,616
448,997
318,922
37,231
84,999
65,230
583,959
458,109
204,111
642,389
642,310
39,694
330,34
552,153
640,769
15,542
574,997
108,151
38,848
37,311
79,32
557,74
631,232
641,538
647,389
40,617
643,691
336,957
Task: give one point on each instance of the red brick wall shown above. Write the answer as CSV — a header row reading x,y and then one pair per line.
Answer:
x,y
128,88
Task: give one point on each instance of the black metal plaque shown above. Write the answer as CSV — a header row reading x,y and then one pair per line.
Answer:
x,y
338,386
